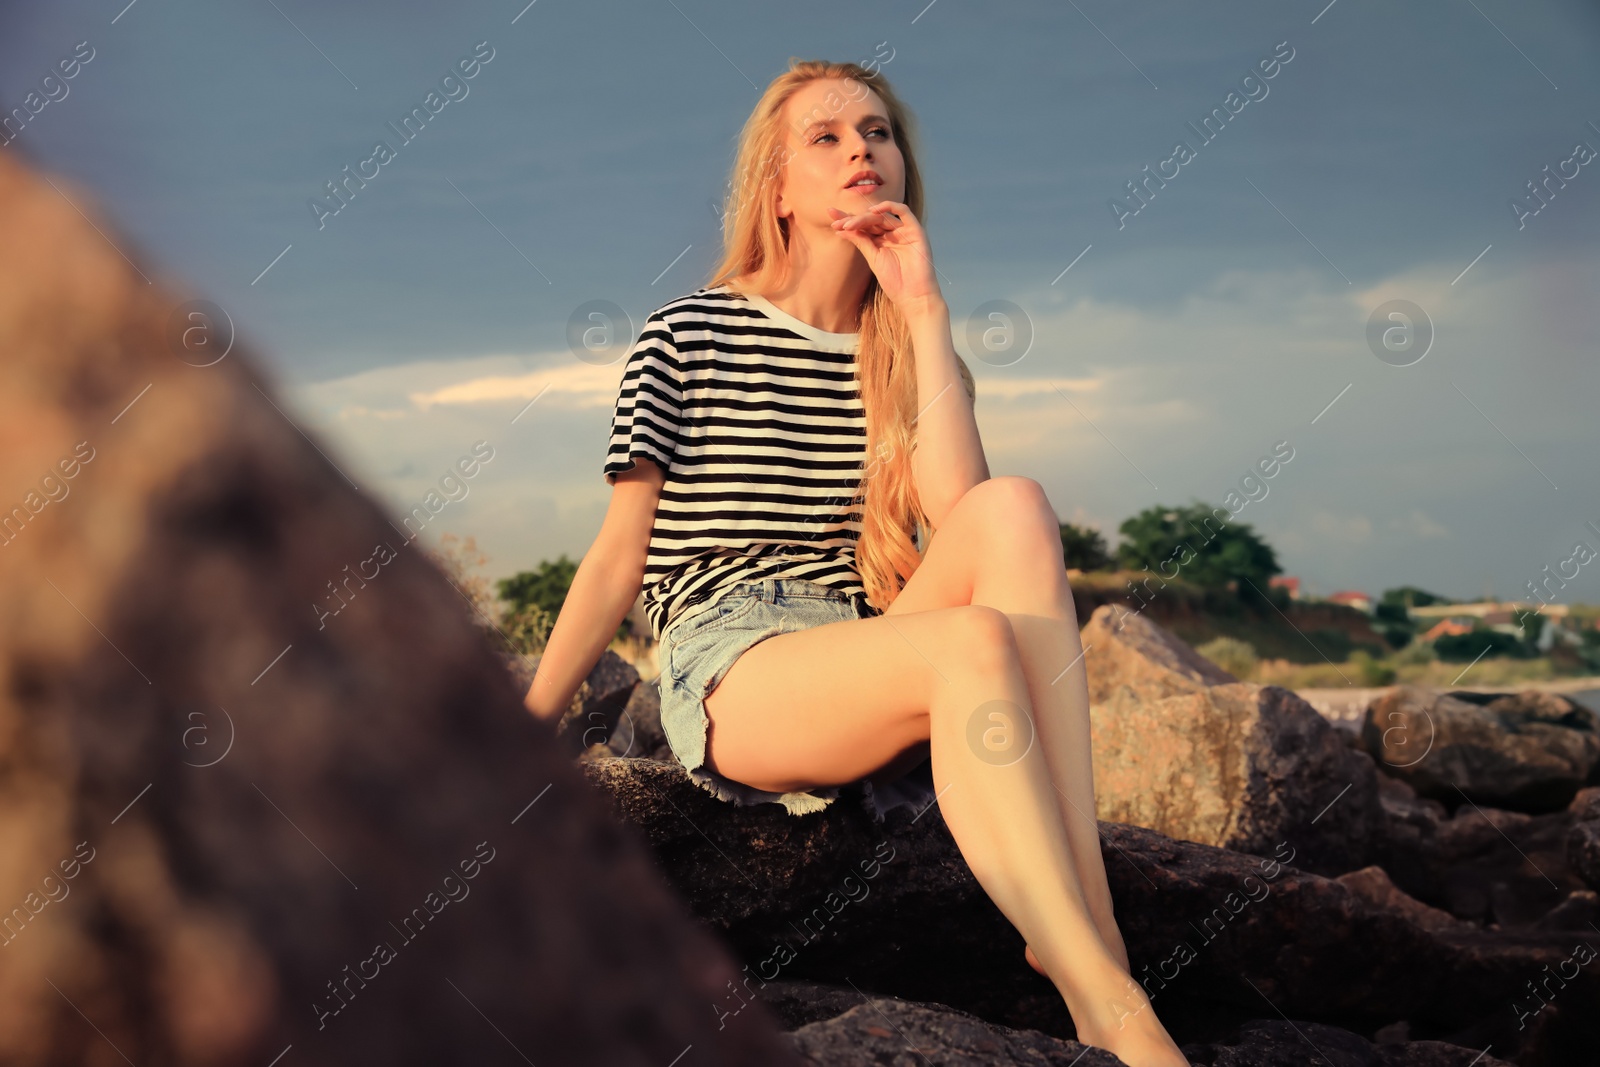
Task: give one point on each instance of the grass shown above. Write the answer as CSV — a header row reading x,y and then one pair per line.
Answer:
x,y
1365,671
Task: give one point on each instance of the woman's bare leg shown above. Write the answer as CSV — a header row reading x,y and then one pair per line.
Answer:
x,y
1001,546
838,702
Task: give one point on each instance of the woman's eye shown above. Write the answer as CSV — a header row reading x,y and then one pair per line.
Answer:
x,y
874,129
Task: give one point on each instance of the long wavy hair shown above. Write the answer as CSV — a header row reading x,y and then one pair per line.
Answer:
x,y
756,246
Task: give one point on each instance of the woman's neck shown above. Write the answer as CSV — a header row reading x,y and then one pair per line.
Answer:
x,y
824,286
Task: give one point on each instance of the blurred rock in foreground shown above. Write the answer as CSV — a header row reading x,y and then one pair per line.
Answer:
x,y
232,821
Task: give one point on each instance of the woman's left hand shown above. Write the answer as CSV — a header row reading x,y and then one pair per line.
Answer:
x,y
896,249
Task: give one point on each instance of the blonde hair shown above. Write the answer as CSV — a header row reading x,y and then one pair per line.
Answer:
x,y
755,246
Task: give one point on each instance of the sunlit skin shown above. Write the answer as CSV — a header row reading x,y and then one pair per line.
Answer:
x,y
988,616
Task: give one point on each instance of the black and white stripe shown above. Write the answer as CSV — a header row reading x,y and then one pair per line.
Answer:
x,y
756,417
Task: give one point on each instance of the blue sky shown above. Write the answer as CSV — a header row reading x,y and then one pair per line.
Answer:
x,y
1230,313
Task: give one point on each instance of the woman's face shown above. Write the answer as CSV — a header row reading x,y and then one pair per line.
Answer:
x,y
834,130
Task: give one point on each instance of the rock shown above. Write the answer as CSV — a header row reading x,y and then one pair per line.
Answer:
x,y
1579,912
247,798
596,707
1502,867
881,1030
1407,848
1281,1043
638,732
1182,748
1528,752
1583,839
797,1002
1128,650
834,897
1533,706
1372,884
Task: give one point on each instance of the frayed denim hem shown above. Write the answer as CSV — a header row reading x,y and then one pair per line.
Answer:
x,y
906,791
744,796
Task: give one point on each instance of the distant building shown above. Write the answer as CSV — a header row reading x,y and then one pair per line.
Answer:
x,y
1484,607
1443,627
1285,582
1508,617
1351,598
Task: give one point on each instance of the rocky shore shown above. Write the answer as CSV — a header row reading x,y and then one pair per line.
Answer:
x,y
1420,890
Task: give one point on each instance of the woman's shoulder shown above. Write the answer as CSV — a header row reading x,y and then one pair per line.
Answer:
x,y
722,292
707,302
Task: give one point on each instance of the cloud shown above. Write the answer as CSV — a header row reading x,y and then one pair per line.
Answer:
x,y
1418,523
993,385
575,385
1188,396
1322,532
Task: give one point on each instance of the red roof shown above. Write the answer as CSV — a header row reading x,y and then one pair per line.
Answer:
x,y
1445,626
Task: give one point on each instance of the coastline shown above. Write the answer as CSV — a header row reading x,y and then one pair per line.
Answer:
x,y
1343,704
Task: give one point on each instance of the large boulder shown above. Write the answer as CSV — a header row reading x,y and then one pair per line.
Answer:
x,y
1131,651
876,1031
1528,751
597,710
1582,843
1374,885
638,732
1218,937
1183,748
1407,850
229,822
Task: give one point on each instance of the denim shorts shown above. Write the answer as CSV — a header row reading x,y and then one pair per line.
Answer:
x,y
698,648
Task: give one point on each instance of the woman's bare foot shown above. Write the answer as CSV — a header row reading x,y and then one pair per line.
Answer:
x,y
1126,1024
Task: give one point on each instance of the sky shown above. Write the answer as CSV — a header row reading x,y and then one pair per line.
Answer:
x,y
1156,355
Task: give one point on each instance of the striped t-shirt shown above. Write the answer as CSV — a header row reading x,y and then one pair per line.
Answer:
x,y
756,418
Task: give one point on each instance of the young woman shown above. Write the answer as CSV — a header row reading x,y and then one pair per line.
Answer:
x,y
806,640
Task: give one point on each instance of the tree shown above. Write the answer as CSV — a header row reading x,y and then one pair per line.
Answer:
x,y
1409,596
1199,544
1463,648
545,590
546,587
1084,548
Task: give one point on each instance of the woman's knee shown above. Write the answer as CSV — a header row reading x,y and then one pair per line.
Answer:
x,y
983,639
1011,521
1008,505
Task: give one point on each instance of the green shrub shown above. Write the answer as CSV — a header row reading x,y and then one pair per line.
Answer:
x,y
1414,654
528,628
1236,657
1373,672
1332,642
1398,636
1464,648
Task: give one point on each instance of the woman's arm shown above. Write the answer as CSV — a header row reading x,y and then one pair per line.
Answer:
x,y
603,591
948,459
